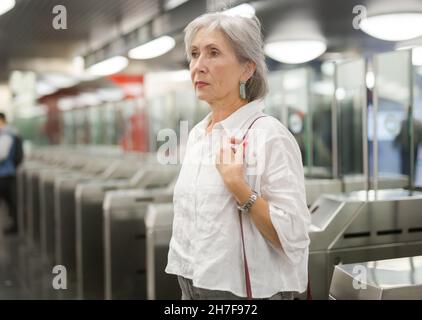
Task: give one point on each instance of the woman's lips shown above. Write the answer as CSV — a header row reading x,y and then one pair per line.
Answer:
x,y
200,84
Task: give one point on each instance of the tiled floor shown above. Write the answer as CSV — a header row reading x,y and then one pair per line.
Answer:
x,y
23,272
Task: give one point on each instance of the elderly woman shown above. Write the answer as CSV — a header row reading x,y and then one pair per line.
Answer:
x,y
241,221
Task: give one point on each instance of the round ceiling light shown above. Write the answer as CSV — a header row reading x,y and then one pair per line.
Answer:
x,y
153,49
393,26
109,66
6,5
295,51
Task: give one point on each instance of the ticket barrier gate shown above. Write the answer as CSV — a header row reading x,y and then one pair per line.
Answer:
x,y
361,226
89,223
391,279
158,223
125,240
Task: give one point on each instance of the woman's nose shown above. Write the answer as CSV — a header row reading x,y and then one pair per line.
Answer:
x,y
199,65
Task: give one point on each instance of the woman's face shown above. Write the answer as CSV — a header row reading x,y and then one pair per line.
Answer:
x,y
215,69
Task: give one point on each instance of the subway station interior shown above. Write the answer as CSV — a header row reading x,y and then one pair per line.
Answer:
x,y
89,86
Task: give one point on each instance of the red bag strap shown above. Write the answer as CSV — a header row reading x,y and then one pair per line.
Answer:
x,y
308,290
245,263
245,260
250,126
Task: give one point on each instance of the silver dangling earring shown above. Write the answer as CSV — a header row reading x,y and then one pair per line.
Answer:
x,y
242,89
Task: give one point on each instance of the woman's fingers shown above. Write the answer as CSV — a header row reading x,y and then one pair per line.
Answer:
x,y
231,151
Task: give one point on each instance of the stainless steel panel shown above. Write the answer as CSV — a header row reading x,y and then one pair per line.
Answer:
x,y
317,187
89,224
46,201
379,280
124,241
159,221
360,226
358,182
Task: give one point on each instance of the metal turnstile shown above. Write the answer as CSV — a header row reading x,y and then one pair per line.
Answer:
x,y
159,221
349,183
316,187
89,224
64,231
394,279
46,209
360,226
22,204
125,240
32,193
357,182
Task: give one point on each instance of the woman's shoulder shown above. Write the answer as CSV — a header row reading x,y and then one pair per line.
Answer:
x,y
271,125
275,133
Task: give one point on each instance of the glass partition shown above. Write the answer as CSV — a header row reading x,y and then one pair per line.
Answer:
x,y
274,98
68,127
81,126
417,127
110,127
392,134
321,102
350,108
96,124
288,101
160,116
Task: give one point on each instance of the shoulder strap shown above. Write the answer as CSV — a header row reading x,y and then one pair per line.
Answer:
x,y
245,260
250,126
247,275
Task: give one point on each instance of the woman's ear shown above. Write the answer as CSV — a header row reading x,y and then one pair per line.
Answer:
x,y
249,69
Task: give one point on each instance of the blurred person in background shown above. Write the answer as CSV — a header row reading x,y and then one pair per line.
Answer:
x,y
237,233
9,149
402,141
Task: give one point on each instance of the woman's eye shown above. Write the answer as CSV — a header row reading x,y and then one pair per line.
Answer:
x,y
214,53
194,54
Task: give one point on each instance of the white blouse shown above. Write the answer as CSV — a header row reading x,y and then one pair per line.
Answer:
x,y
206,241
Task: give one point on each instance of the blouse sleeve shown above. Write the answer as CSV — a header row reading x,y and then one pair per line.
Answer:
x,y
282,186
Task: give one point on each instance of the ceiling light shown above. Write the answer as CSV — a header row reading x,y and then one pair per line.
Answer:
x,y
152,49
60,80
171,4
370,80
393,26
108,66
243,10
295,51
6,5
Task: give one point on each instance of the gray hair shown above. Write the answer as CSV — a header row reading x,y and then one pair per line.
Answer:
x,y
245,37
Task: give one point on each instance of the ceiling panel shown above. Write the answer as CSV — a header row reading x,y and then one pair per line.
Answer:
x,y
27,29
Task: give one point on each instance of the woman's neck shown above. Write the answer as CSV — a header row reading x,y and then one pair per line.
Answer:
x,y
221,110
